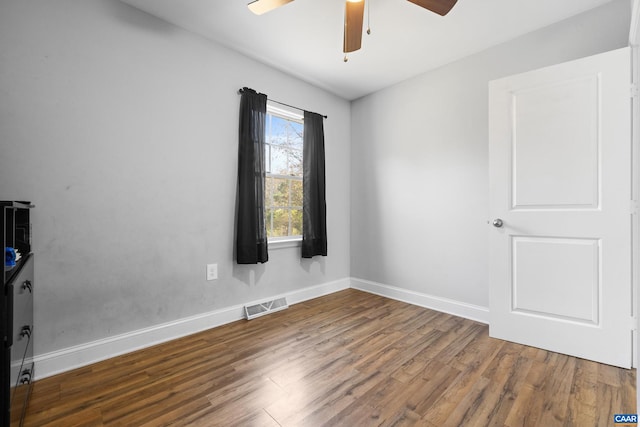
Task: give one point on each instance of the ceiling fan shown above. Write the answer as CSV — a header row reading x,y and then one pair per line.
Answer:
x,y
354,16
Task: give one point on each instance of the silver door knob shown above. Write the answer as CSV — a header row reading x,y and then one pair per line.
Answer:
x,y
498,223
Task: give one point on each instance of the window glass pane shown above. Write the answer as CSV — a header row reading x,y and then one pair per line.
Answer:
x,y
280,192
285,140
295,162
298,129
268,219
296,193
284,132
279,160
284,160
268,191
280,222
296,222
278,130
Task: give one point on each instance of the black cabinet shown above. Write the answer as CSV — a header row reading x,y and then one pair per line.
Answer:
x,y
16,312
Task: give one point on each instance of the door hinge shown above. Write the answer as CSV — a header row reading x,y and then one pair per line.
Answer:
x,y
634,323
634,207
634,90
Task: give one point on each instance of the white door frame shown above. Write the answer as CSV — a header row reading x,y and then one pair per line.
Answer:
x,y
634,42
635,184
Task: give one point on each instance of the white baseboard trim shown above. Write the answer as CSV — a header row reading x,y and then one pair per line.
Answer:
x,y
59,361
457,308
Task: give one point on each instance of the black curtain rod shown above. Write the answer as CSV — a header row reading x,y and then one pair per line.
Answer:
x,y
278,102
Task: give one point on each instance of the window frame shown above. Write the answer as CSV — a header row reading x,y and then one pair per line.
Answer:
x,y
293,115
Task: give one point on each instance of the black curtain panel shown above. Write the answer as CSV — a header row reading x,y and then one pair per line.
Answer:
x,y
314,218
251,233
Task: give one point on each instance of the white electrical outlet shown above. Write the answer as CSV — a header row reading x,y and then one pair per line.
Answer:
x,y
212,271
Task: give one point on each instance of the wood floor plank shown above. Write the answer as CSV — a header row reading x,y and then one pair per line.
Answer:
x,y
418,361
464,413
505,385
463,385
582,408
346,359
528,406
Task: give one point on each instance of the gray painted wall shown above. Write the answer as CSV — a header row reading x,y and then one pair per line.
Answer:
x,y
419,171
122,129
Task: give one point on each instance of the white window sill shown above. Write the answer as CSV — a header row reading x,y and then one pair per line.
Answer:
x,y
294,242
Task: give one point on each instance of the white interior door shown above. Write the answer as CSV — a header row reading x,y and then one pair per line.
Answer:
x,y
560,201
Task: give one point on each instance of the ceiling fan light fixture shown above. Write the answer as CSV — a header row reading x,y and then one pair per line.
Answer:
x,y
263,6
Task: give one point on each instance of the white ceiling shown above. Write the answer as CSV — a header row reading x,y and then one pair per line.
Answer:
x,y
304,38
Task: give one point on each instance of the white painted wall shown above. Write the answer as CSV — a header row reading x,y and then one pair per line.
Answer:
x,y
122,129
419,170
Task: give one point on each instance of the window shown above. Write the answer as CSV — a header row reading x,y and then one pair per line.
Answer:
x,y
283,163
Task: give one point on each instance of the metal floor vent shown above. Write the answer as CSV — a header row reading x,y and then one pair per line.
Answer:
x,y
260,309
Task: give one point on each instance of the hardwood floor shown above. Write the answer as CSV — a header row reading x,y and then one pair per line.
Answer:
x,y
347,359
